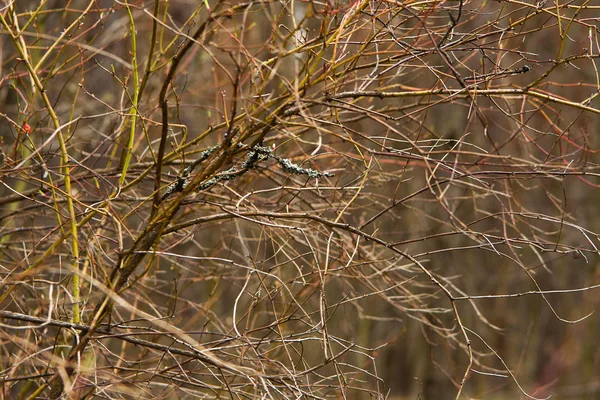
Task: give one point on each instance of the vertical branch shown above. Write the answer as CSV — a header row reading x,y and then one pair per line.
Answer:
x,y
164,107
64,158
133,111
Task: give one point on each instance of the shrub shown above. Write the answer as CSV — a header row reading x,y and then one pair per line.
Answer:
x,y
298,199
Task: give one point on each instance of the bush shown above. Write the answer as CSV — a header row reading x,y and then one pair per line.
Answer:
x,y
299,199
